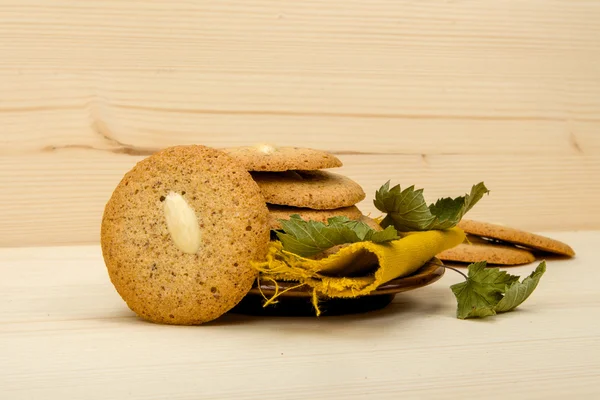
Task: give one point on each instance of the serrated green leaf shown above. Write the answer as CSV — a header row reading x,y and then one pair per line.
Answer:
x,y
360,228
407,210
518,292
492,277
479,294
307,238
474,300
388,234
488,291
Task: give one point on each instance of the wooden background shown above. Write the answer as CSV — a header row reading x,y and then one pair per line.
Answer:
x,y
441,94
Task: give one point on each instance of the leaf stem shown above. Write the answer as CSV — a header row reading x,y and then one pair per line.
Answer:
x,y
453,269
457,270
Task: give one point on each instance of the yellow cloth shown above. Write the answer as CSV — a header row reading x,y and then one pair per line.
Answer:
x,y
394,259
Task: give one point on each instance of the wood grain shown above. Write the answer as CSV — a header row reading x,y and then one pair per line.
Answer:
x,y
434,92
59,200
54,347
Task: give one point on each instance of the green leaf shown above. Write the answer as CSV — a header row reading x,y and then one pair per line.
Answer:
x,y
307,238
407,210
474,300
479,294
364,231
488,291
492,278
518,292
388,234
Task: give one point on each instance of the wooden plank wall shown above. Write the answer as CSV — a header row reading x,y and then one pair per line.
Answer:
x,y
441,94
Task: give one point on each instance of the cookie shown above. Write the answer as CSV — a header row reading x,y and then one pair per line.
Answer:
x,y
482,250
283,212
319,190
516,236
179,233
264,157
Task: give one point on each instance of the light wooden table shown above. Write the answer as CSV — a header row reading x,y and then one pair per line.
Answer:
x,y
65,333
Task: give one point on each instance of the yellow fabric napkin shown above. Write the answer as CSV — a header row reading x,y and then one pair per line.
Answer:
x,y
393,260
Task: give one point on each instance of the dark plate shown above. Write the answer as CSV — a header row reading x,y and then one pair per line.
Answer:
x,y
297,302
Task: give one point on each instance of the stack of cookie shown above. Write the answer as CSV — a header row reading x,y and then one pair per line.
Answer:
x,y
293,181
502,245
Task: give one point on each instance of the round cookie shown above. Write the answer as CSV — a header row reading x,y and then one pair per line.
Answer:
x,y
516,236
284,212
482,250
264,157
319,190
179,233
